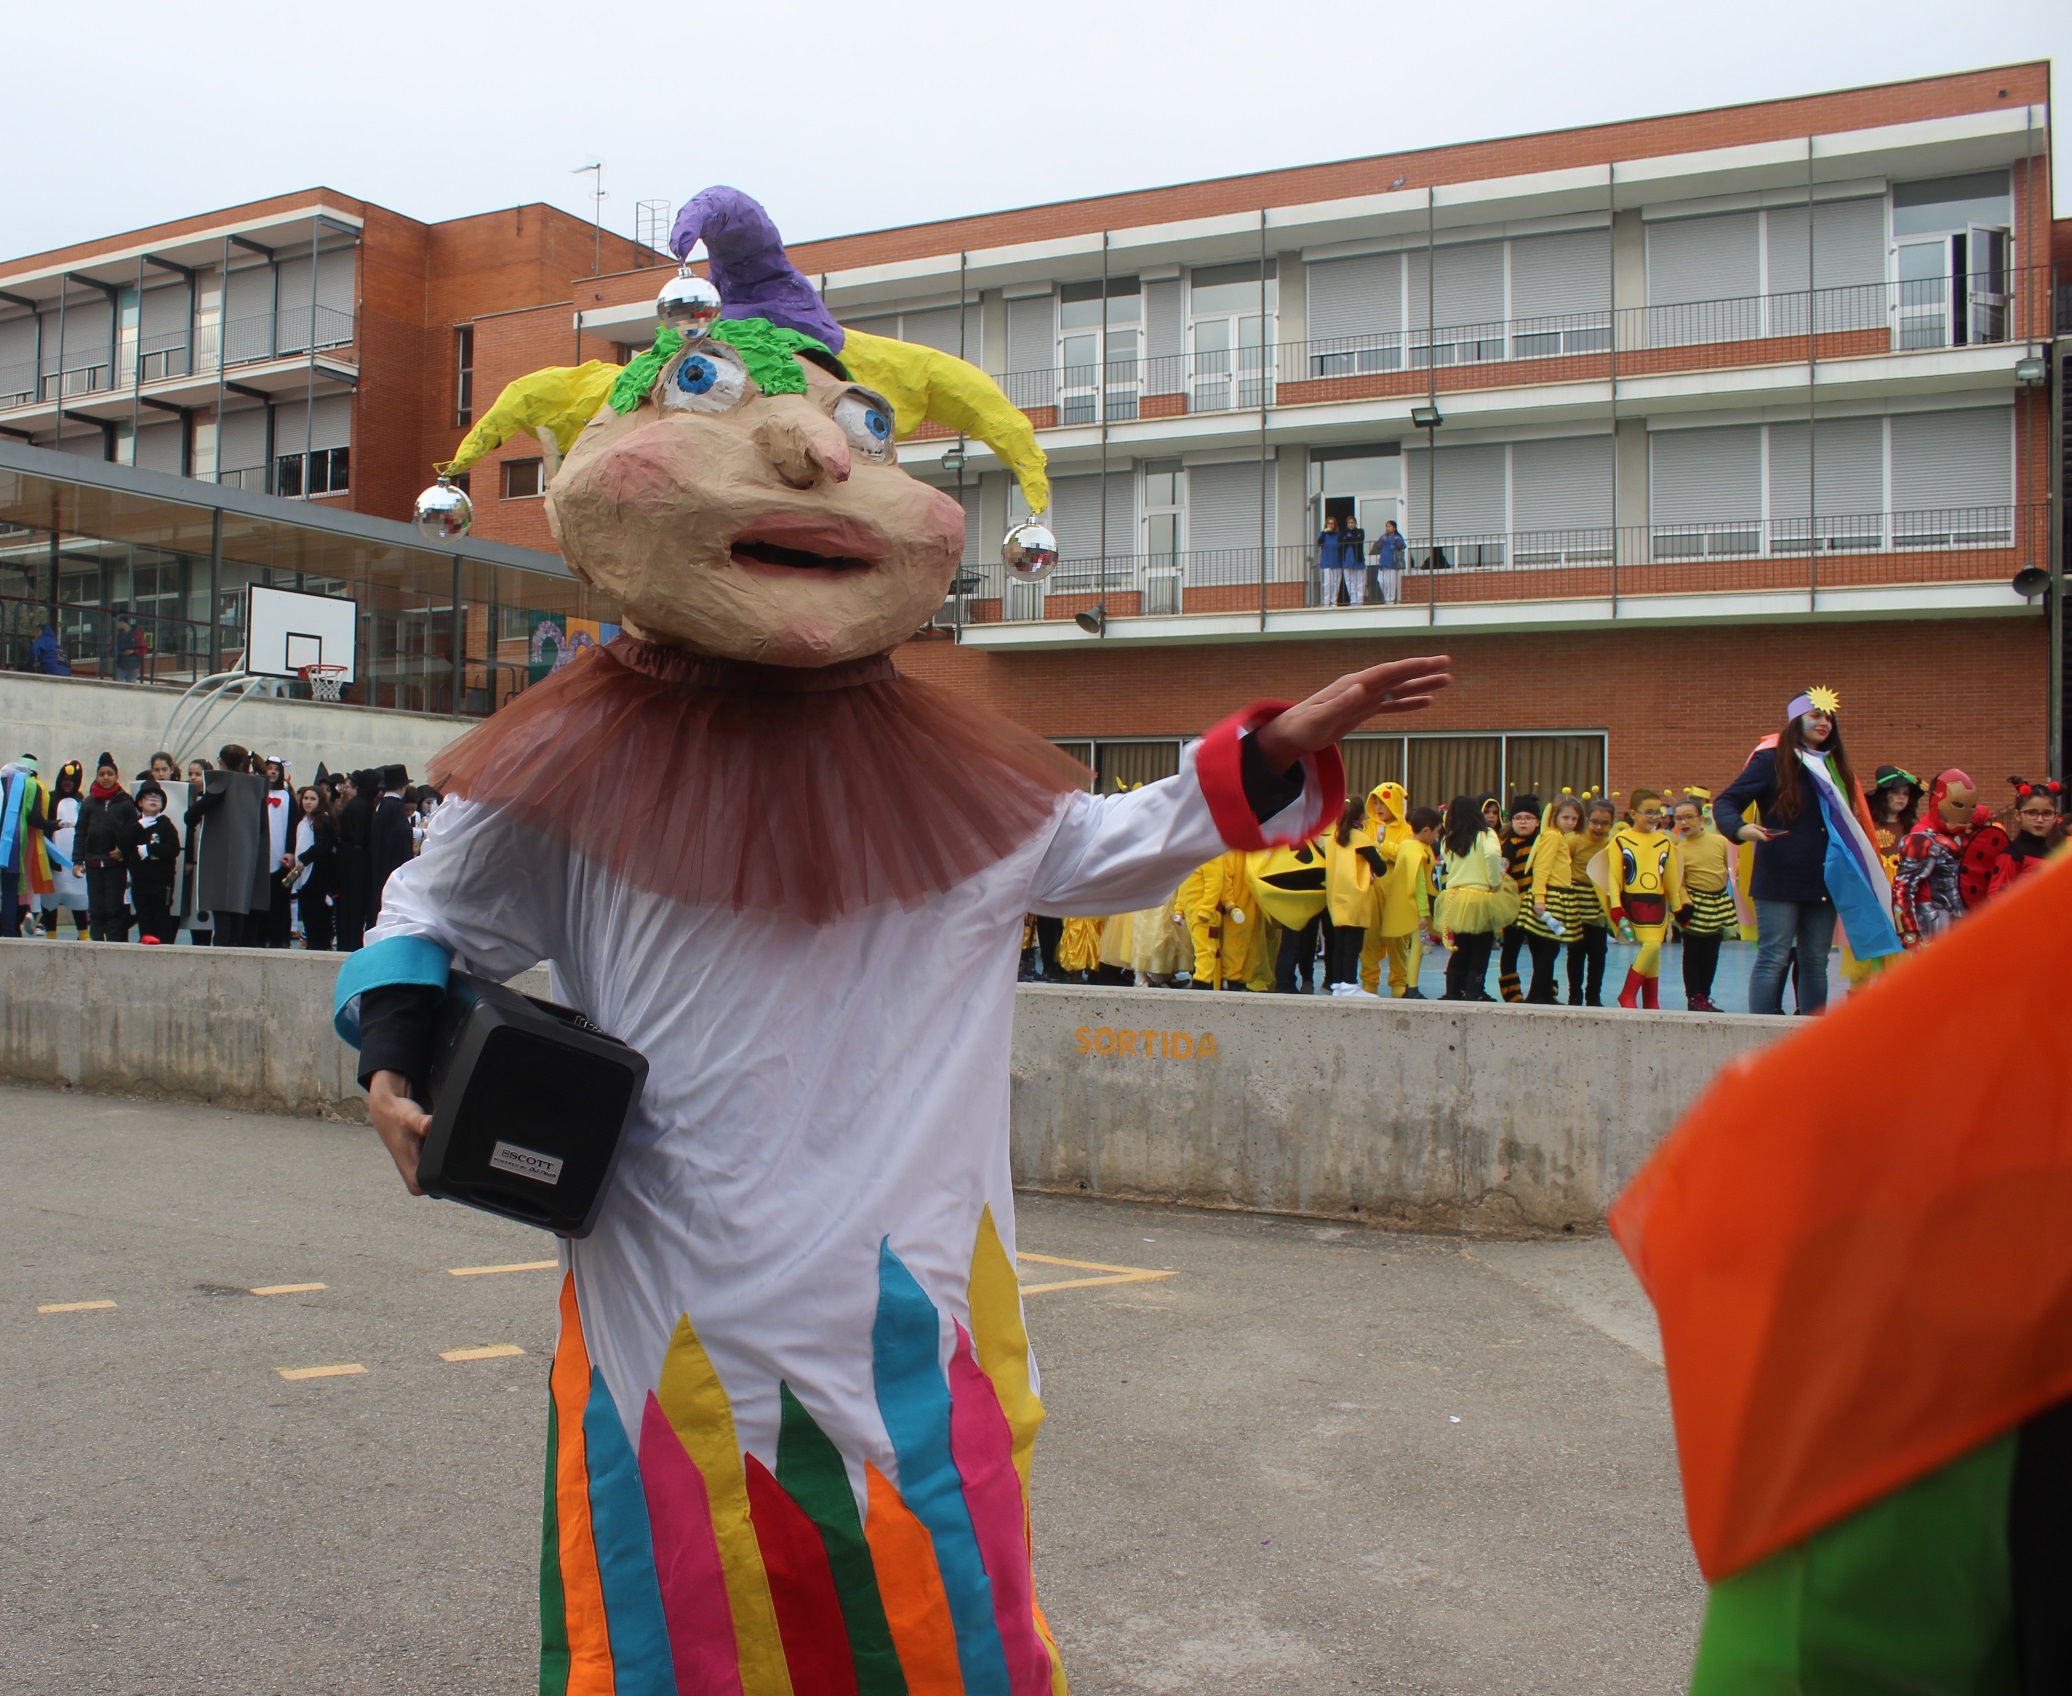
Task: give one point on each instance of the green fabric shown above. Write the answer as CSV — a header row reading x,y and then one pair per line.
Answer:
x,y
768,351
553,1604
1912,1595
630,387
810,1468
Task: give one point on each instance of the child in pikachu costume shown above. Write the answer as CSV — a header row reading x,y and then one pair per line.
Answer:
x,y
1388,810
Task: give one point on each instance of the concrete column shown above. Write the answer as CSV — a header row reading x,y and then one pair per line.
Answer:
x,y
1629,279
991,355
1291,498
1293,325
1630,512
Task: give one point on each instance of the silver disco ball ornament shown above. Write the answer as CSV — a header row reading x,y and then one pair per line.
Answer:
x,y
1030,552
688,304
443,511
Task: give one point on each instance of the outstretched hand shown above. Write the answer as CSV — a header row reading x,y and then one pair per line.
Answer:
x,y
1398,686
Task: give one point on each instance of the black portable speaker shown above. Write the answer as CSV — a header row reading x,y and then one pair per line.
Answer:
x,y
528,1103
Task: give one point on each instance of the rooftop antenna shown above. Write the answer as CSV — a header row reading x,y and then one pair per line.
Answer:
x,y
596,213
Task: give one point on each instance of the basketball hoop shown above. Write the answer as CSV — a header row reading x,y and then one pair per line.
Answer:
x,y
325,681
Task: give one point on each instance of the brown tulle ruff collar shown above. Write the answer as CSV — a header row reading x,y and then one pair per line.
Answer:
x,y
806,792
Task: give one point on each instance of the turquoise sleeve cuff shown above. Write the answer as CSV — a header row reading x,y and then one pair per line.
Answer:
x,y
413,960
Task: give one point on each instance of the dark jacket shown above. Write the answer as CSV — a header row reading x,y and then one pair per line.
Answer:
x,y
234,860
154,862
46,656
390,845
321,856
105,826
1794,867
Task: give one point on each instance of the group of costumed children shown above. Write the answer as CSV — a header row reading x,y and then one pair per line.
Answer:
x,y
1392,880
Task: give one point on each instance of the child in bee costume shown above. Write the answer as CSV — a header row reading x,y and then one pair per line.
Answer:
x,y
1707,917
1643,892
1587,848
1548,917
1518,851
1477,900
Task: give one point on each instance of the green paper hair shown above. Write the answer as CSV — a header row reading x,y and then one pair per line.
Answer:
x,y
767,350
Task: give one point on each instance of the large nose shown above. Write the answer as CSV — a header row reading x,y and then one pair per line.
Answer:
x,y
803,445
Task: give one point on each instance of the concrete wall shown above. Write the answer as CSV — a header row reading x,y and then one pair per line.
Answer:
x,y
63,718
1474,1118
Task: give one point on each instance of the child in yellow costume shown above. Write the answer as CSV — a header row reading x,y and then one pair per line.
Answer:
x,y
1350,866
1707,917
1198,899
1403,903
1159,944
1226,926
1586,853
1288,884
1643,890
1388,816
1079,948
1520,834
1477,899
1549,917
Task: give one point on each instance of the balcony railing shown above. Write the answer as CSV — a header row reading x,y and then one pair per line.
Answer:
x,y
1943,545
286,334
1851,322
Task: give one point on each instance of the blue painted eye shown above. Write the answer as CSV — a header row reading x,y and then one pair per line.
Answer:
x,y
709,379
866,419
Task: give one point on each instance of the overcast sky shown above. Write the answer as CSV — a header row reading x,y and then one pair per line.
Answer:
x,y
846,117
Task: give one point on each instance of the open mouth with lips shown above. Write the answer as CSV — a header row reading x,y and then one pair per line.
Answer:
x,y
779,545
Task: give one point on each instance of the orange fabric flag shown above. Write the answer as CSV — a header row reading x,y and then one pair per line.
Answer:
x,y
1859,1241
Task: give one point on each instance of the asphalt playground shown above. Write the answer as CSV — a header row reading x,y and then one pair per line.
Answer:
x,y
270,1427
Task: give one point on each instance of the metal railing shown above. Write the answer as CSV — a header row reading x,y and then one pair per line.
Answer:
x,y
1941,545
1855,321
290,333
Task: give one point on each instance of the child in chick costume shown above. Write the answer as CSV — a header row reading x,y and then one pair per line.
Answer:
x,y
792,1403
1388,818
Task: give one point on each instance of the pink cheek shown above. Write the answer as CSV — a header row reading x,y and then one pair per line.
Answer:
x,y
648,471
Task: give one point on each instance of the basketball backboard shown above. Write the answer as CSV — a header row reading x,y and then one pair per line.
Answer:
x,y
286,630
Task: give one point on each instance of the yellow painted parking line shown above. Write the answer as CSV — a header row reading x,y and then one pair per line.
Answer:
x,y
288,1289
74,1306
1110,1274
515,1266
489,1351
292,1373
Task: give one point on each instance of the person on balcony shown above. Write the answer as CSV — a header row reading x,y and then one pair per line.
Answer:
x,y
1341,560
1389,549
129,650
47,654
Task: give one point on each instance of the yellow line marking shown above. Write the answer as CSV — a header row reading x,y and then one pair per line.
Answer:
x,y
287,1289
74,1306
1113,1274
490,1351
292,1373
515,1266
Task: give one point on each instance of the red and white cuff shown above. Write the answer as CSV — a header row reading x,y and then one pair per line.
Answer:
x,y
1219,765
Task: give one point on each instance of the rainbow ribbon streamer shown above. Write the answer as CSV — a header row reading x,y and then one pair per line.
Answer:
x,y
1855,874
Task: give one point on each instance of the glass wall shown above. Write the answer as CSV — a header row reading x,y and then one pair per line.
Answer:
x,y
98,579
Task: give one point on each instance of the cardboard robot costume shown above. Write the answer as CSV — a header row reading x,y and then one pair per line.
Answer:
x,y
793,1404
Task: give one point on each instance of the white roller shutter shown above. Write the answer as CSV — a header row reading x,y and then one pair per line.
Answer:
x,y
1469,285
1355,297
1032,351
1467,487
1223,505
241,440
1554,276
248,293
936,329
17,357
1849,456
158,447
1948,460
86,335
1713,258
1075,506
1706,476
162,315
1165,337
1562,485
331,426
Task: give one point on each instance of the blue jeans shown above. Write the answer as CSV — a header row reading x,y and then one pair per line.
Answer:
x,y
1781,926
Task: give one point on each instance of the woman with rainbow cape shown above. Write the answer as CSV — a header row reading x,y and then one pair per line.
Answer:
x,y
1816,860
793,1404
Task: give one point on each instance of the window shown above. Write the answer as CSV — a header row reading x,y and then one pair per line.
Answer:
x,y
1230,333
326,471
464,375
1099,345
1438,768
1165,508
523,477
1124,764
